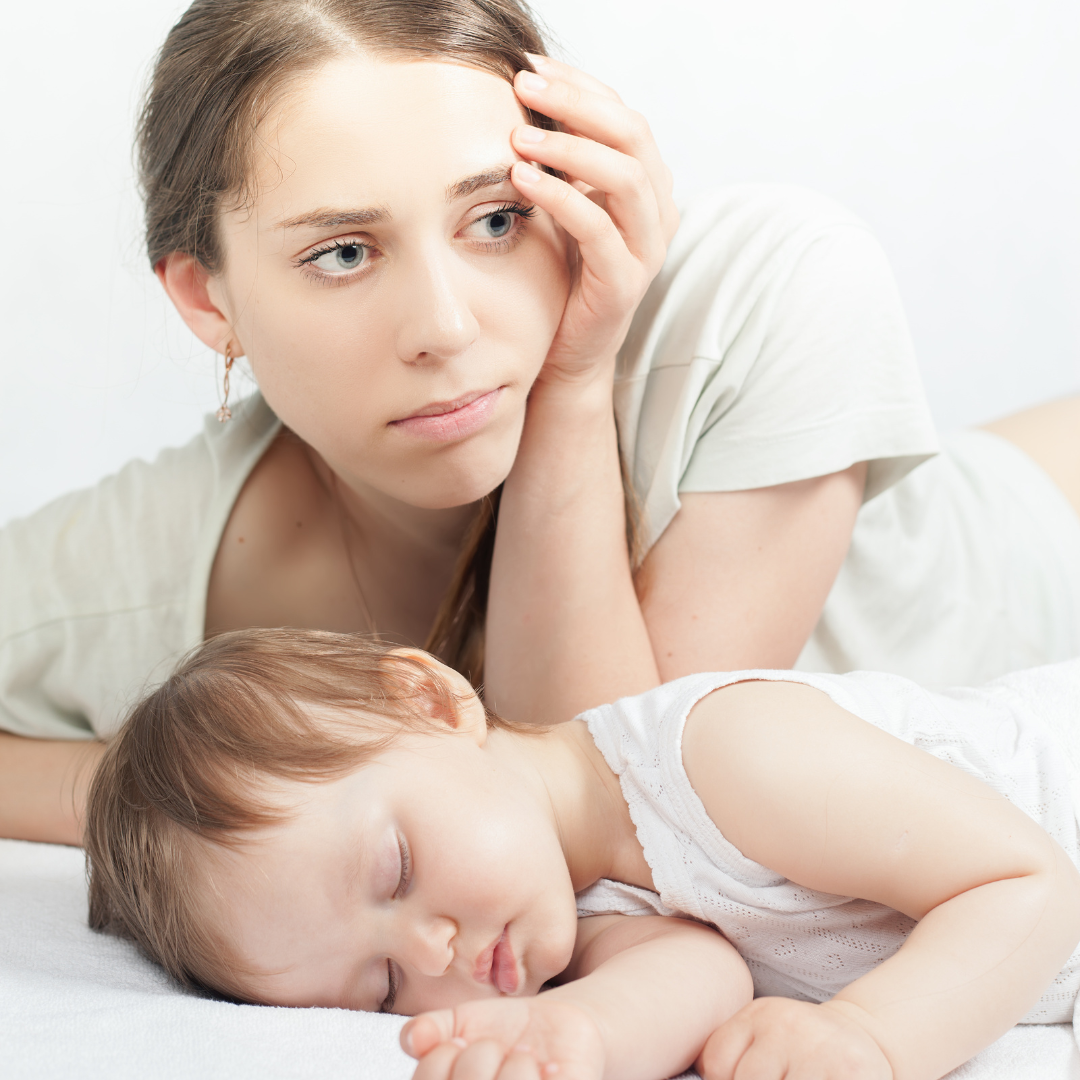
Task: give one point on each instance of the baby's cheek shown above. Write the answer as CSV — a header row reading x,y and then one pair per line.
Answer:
x,y
426,995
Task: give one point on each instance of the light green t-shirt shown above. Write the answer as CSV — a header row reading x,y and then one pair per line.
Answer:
x,y
772,347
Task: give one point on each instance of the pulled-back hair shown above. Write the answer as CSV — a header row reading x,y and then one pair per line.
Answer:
x,y
225,64
190,766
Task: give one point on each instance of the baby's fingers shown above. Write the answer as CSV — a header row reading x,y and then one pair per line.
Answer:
x,y
725,1048
439,1063
424,1032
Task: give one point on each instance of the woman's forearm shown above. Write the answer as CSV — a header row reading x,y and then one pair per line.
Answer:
x,y
43,785
564,629
656,1002
971,969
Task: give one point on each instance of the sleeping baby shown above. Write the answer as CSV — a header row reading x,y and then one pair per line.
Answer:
x,y
769,874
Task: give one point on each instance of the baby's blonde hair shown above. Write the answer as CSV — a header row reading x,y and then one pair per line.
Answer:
x,y
184,773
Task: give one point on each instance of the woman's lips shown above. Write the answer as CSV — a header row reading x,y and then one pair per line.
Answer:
x,y
497,965
445,421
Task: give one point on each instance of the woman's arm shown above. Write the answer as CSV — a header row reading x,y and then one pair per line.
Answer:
x,y
43,785
565,630
816,794
738,579
641,997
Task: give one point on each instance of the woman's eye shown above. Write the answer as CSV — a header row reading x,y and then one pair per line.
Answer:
x,y
499,224
496,225
341,259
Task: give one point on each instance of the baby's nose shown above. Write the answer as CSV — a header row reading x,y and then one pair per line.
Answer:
x,y
433,946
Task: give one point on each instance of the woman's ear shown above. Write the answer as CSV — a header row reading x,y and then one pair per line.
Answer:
x,y
465,711
188,284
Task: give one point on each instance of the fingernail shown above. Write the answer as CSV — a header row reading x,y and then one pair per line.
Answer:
x,y
538,61
531,134
406,1042
457,1040
531,81
525,173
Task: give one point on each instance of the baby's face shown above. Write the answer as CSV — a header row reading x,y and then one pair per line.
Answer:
x,y
426,878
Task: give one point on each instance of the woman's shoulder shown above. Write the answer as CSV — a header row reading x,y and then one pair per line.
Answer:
x,y
772,347
119,537
100,580
738,217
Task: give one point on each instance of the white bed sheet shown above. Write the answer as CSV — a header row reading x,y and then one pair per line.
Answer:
x,y
76,1003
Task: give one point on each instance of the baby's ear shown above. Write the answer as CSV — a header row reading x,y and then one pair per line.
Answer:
x,y
461,709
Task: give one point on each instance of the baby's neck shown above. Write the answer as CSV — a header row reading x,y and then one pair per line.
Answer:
x,y
588,809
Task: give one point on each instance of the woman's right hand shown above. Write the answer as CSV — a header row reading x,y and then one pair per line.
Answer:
x,y
616,205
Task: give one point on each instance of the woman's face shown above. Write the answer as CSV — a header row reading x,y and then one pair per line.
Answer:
x,y
393,296
426,878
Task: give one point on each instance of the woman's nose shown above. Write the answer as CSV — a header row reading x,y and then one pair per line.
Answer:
x,y
431,945
436,321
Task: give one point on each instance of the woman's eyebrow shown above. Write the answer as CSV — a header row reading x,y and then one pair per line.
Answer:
x,y
492,177
326,218
330,218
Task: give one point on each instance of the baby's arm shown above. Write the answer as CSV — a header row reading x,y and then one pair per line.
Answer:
x,y
640,997
828,800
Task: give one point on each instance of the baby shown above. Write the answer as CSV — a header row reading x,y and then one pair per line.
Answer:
x,y
302,818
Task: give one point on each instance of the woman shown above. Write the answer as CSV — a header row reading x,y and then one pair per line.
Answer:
x,y
340,191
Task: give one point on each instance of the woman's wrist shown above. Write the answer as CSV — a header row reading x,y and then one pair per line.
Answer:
x,y
586,387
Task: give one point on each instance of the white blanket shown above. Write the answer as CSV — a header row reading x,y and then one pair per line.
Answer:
x,y
75,1003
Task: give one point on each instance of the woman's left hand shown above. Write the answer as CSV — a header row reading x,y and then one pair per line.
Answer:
x,y
616,205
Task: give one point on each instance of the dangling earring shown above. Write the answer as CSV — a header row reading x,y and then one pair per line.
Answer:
x,y
225,413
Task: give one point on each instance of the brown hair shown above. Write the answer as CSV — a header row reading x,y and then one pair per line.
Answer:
x,y
226,63
222,68
184,772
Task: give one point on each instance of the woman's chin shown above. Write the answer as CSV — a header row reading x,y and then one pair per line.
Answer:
x,y
426,495
457,479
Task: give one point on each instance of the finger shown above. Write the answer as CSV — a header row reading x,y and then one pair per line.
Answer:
x,y
764,1060
479,1061
724,1049
426,1031
438,1064
630,201
555,69
603,253
522,1066
604,120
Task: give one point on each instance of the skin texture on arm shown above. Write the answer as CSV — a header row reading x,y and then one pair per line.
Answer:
x,y
739,578
43,786
562,594
806,788
641,997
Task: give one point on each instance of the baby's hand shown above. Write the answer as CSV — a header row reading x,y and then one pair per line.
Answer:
x,y
774,1038
506,1039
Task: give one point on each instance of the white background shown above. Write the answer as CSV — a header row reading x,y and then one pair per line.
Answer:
x,y
950,125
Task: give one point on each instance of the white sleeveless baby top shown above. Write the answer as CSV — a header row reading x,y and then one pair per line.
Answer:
x,y
799,943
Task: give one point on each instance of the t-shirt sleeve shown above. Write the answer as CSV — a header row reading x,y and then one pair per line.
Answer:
x,y
104,589
834,382
773,348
